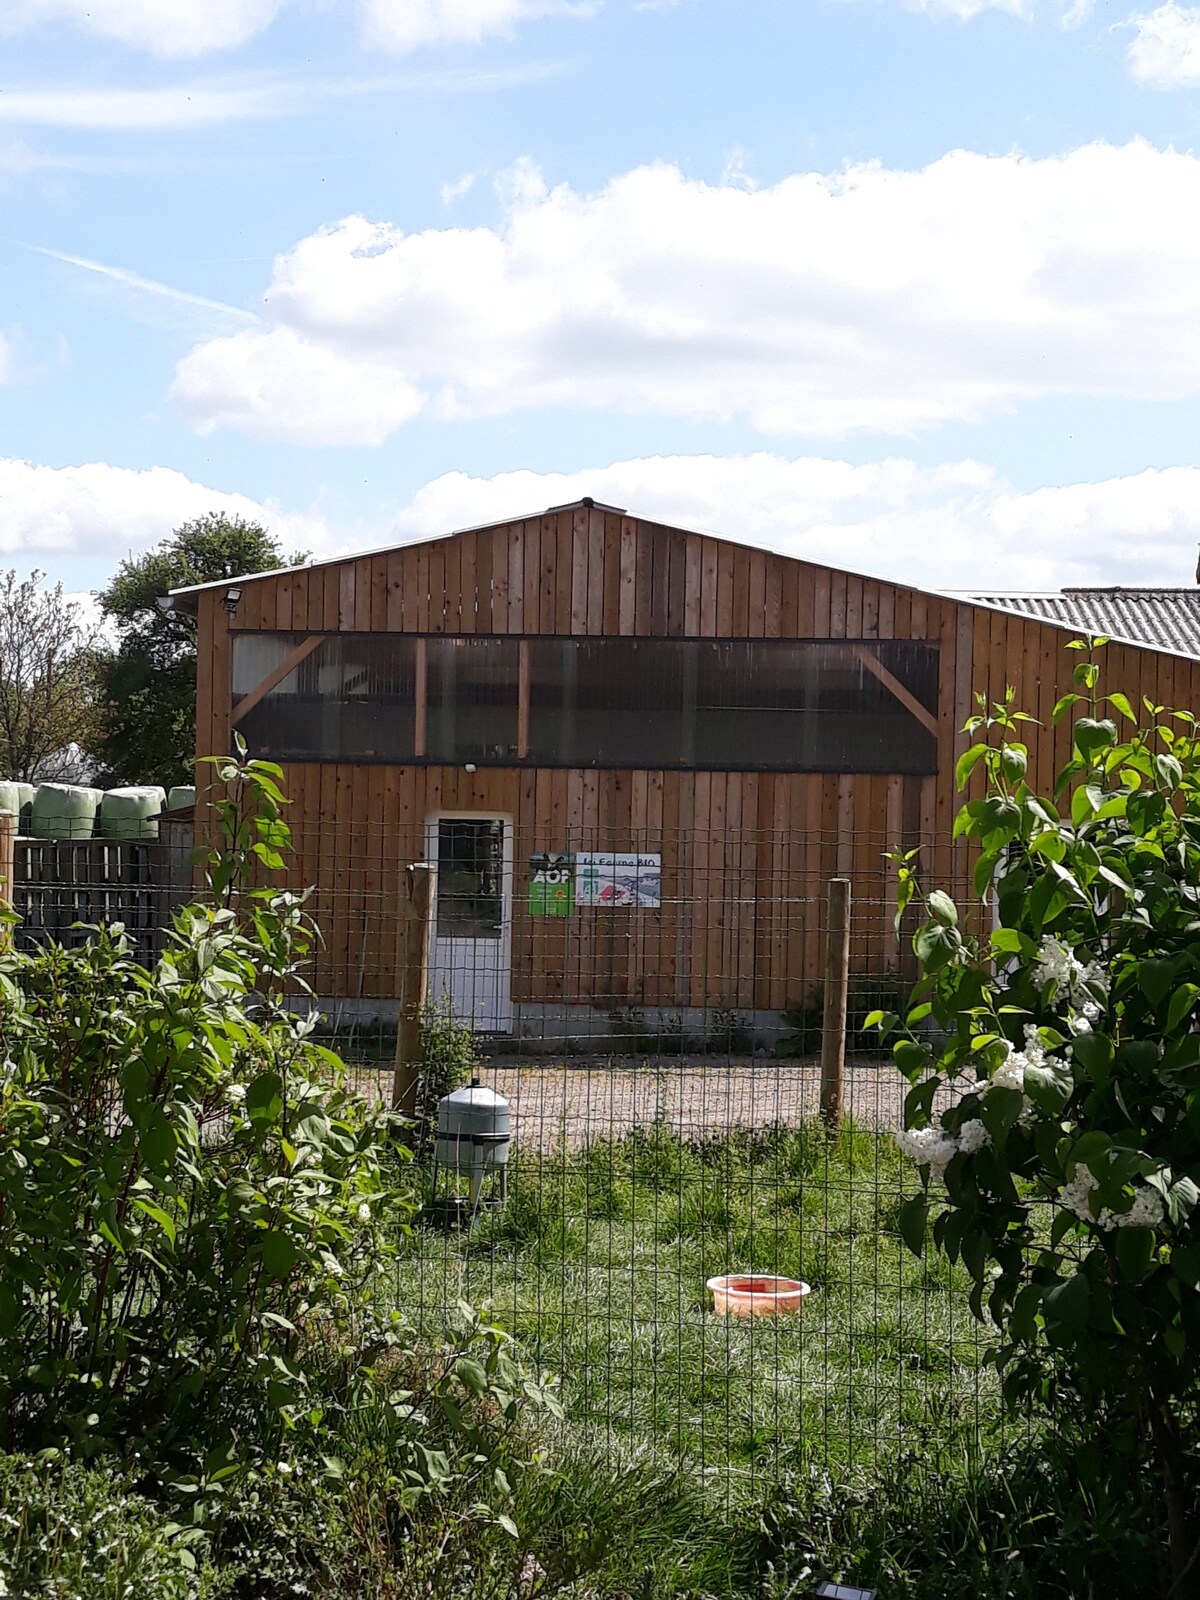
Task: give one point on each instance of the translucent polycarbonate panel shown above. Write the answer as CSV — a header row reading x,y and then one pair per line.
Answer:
x,y
472,704
351,698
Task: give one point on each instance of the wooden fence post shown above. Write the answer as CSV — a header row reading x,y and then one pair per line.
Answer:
x,y
8,852
837,980
414,983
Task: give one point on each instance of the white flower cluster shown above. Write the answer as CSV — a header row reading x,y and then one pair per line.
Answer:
x,y
1011,1073
935,1148
1057,963
235,1093
1147,1211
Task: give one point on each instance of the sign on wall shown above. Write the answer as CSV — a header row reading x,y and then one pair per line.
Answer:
x,y
551,885
608,878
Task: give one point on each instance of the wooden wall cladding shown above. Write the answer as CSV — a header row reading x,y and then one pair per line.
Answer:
x,y
746,856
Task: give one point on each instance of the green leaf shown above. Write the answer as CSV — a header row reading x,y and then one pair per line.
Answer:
x,y
967,763
1122,705
943,909
1066,1307
1014,762
1063,705
911,1221
1092,735
1095,1054
165,1222
279,1254
1135,1252
936,946
1182,1004
157,1141
1155,978
264,1098
1048,1086
471,1375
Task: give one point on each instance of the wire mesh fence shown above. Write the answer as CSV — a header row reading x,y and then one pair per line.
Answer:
x,y
650,1007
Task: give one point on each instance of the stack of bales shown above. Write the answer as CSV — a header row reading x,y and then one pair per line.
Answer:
x,y
75,811
17,798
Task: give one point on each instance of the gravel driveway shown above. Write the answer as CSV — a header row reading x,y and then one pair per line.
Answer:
x,y
576,1101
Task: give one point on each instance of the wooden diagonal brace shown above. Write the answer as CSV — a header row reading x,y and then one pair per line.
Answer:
x,y
893,685
275,677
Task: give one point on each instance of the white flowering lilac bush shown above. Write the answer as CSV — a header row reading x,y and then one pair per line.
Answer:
x,y
1061,1039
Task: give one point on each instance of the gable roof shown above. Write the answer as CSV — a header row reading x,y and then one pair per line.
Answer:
x,y
1166,619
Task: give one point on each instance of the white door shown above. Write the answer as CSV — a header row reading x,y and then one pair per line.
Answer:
x,y
471,955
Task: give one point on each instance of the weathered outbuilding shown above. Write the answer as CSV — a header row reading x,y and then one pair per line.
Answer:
x,y
637,754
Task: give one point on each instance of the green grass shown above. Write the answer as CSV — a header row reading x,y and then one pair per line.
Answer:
x,y
598,1266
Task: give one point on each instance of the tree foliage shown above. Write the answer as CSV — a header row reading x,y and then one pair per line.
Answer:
x,y
47,682
1064,1173
148,682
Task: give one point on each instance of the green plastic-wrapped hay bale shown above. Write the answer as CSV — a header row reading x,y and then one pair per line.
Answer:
x,y
64,811
10,796
131,813
181,797
27,792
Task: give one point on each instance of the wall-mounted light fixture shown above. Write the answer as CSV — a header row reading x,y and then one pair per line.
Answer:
x,y
232,598
844,1591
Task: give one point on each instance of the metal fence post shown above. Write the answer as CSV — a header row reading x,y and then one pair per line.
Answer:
x,y
8,852
414,983
837,979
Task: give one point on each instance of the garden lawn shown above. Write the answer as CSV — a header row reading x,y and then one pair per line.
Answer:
x,y
598,1266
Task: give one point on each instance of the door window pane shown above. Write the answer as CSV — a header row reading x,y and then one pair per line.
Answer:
x,y
470,879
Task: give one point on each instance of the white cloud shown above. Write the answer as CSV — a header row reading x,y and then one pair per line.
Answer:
x,y
279,386
455,191
163,27
185,105
50,514
1165,52
954,526
414,24
6,360
190,28
876,299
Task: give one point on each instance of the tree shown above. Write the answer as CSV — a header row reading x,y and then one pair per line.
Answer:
x,y
148,682
1064,1174
47,682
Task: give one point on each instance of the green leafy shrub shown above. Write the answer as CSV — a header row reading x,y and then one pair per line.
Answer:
x,y
191,1198
449,1060
80,1532
1065,1174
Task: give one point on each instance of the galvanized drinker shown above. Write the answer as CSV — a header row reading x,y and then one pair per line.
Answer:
x,y
473,1140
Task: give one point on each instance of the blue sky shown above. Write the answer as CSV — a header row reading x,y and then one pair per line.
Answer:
x,y
911,288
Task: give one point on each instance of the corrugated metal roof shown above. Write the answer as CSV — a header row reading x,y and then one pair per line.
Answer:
x,y
1166,618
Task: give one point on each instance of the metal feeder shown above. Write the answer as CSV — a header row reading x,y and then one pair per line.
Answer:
x,y
473,1139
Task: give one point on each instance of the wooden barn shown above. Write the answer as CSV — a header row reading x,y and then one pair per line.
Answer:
x,y
636,753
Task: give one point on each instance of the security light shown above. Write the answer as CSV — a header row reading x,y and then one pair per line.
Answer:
x,y
232,597
844,1591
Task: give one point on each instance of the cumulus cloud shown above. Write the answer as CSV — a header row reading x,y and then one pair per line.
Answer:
x,y
1165,51
874,299
280,386
49,514
190,29
953,526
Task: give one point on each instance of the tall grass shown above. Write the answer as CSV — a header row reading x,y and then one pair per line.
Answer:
x,y
598,1265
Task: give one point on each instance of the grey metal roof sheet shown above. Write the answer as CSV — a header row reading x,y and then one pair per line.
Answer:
x,y
1168,619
